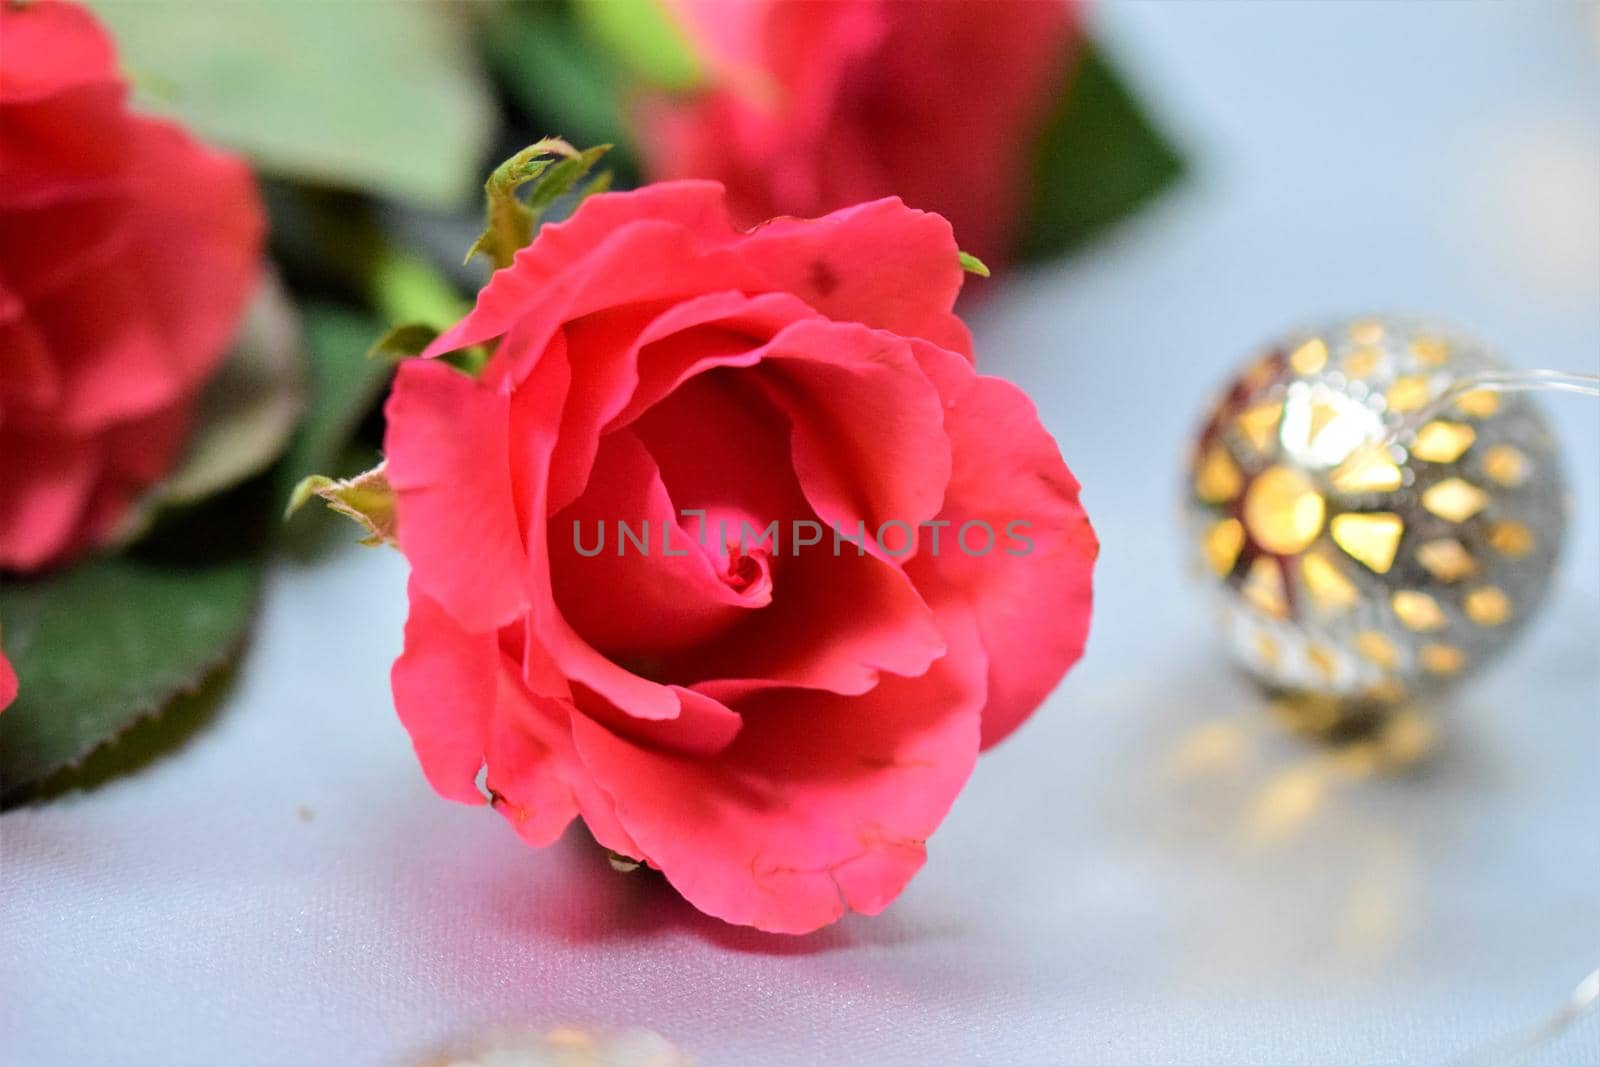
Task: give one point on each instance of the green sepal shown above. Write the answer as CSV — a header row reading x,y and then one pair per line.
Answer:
x,y
368,499
552,168
972,264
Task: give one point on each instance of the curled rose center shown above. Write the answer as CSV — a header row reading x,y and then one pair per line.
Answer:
x,y
749,570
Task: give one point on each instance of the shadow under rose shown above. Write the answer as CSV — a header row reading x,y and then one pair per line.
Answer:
x,y
582,900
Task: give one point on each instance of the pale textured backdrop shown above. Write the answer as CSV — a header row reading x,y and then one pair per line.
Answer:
x,y
1086,902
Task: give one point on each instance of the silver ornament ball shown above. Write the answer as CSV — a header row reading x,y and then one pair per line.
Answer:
x,y
1373,531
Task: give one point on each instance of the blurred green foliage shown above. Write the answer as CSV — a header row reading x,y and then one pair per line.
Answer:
x,y
382,97
1099,160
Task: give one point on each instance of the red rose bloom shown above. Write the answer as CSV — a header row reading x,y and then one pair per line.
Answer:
x,y
127,253
812,106
777,719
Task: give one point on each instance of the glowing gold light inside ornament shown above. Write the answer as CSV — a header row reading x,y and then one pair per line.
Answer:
x,y
1260,425
1322,415
1328,587
1372,538
1408,394
1310,357
1368,470
1418,611
1446,560
1362,362
1487,606
1454,499
1267,649
1366,332
1441,659
1443,442
1511,538
1323,661
1223,544
1372,541
1506,465
1387,691
1430,351
1283,511
1263,588
1377,648
1479,404
1219,479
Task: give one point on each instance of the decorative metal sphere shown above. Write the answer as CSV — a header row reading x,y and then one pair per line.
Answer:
x,y
1368,546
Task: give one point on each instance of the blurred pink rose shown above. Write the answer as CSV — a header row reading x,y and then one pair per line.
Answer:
x,y
777,726
127,253
811,106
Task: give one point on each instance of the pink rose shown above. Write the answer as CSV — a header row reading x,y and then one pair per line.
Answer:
x,y
776,725
810,107
127,253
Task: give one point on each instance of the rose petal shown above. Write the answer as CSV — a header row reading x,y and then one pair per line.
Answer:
x,y
45,492
728,329
444,690
608,253
27,374
822,804
113,362
627,359
44,247
199,233
63,147
1032,609
533,425
535,768
627,602
880,263
835,624
448,457
528,745
866,426
722,449
51,48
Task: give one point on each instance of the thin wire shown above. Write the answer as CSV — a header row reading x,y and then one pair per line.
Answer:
x,y
1581,1002
1519,381
1586,995
1349,472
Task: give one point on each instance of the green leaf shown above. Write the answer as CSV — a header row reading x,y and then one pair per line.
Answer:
x,y
551,167
408,288
381,97
646,39
972,264
403,342
109,643
142,744
1098,160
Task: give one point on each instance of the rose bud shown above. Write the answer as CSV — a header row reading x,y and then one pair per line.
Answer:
x,y
805,107
861,562
128,251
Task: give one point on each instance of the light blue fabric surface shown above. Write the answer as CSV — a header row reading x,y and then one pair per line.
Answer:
x,y
285,890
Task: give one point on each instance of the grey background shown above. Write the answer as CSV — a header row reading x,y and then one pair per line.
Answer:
x,y
285,890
